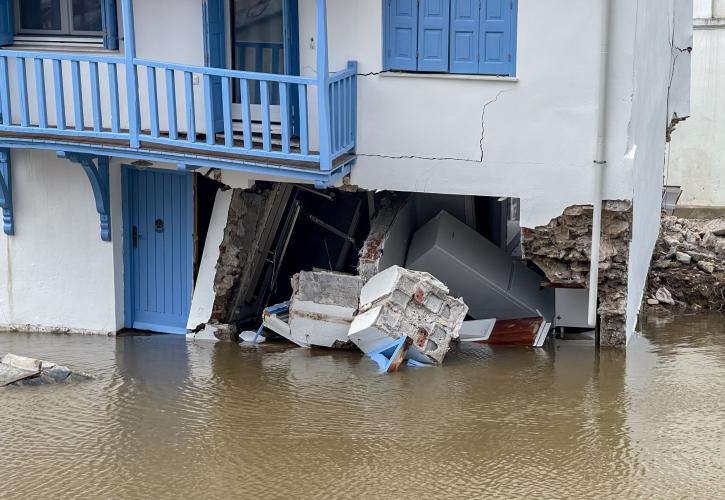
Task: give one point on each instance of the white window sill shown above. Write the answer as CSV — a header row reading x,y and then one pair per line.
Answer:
x,y
449,76
58,44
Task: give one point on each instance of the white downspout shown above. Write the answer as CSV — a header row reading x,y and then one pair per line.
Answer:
x,y
600,161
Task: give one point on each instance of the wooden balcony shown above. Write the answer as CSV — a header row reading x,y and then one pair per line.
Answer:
x,y
286,126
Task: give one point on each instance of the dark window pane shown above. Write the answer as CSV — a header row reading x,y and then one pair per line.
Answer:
x,y
40,15
87,15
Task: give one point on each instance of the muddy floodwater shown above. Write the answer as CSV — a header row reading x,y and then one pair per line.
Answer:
x,y
167,419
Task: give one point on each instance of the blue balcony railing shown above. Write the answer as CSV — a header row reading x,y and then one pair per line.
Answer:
x,y
87,97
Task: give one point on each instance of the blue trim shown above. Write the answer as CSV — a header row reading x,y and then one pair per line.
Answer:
x,y
127,248
7,24
6,192
110,25
98,175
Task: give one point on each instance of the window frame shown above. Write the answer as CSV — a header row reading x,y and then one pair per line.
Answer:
x,y
386,6
66,24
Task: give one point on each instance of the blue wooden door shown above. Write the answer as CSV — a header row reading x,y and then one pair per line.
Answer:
x,y
159,243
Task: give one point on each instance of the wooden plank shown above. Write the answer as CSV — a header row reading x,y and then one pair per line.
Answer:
x,y
95,97
22,91
227,112
171,104
40,93
75,67
153,100
515,332
266,125
246,113
59,94
190,111
113,96
284,112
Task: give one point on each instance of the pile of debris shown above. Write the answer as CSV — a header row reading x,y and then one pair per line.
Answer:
x,y
396,297
688,266
19,370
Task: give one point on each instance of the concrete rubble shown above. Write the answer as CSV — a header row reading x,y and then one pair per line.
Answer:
x,y
688,265
19,370
414,306
321,310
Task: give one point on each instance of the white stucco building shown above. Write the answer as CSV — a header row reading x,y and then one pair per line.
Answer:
x,y
696,157
517,99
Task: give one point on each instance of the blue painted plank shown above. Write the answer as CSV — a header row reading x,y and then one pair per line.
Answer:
x,y
113,96
95,98
433,35
209,107
190,111
353,68
304,133
171,104
77,94
401,40
284,111
246,114
465,16
40,94
266,124
227,112
153,100
5,92
59,94
22,91
170,290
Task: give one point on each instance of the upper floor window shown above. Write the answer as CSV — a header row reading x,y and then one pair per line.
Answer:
x,y
59,21
59,17
476,37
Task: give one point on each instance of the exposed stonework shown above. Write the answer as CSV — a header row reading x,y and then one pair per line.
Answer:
x,y
249,213
689,265
371,253
562,250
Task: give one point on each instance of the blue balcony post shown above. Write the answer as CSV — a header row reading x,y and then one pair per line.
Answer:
x,y
129,48
323,88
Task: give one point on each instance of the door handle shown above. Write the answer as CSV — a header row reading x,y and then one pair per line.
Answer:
x,y
134,236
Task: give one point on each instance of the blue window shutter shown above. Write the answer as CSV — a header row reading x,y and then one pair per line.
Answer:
x,y
465,19
433,35
110,25
6,22
402,35
497,37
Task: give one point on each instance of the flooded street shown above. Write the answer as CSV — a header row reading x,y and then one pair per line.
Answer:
x,y
167,419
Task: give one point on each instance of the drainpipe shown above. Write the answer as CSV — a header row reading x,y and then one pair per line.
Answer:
x,y
600,161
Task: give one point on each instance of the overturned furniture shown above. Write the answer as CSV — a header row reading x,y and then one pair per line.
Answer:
x,y
321,310
19,370
525,332
409,314
493,284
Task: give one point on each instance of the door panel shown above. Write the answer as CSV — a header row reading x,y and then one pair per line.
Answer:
x,y
160,235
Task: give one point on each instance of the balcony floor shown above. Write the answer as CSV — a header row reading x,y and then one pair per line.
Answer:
x,y
187,153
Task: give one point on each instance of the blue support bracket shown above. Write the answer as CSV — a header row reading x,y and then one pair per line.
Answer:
x,y
96,169
6,192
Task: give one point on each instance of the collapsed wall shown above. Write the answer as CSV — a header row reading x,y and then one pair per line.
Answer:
x,y
251,214
562,250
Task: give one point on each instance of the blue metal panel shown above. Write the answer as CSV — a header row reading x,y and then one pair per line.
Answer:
x,y
498,40
465,18
402,35
158,229
110,25
215,55
7,25
433,35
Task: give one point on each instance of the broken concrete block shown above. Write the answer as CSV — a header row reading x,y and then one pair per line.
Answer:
x,y
706,266
20,370
322,308
664,296
389,237
492,283
400,303
652,302
683,258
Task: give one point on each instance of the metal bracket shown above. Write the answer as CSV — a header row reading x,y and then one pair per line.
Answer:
x,y
6,192
96,169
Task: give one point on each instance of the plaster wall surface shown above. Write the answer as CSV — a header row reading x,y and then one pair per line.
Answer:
x,y
55,272
661,87
697,153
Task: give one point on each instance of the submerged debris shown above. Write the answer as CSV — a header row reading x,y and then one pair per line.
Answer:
x,y
19,370
399,303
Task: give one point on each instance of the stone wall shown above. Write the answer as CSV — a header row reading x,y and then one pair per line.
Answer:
x,y
562,250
